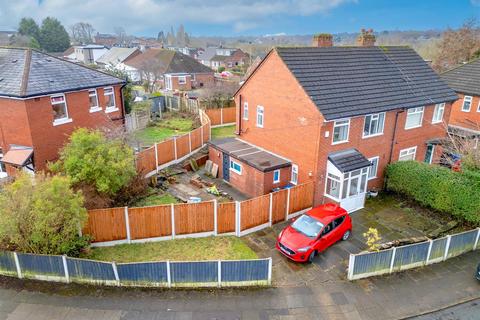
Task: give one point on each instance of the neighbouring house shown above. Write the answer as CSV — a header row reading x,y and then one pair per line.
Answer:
x,y
169,70
192,52
465,115
215,57
86,54
108,40
43,99
335,116
116,56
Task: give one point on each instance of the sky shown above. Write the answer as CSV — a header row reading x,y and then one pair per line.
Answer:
x,y
245,17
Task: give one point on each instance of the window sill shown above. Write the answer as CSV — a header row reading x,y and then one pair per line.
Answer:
x,y
372,178
466,111
62,121
339,142
235,171
437,122
372,135
409,128
110,110
97,109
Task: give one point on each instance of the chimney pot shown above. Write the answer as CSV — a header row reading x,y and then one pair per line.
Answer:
x,y
322,40
366,38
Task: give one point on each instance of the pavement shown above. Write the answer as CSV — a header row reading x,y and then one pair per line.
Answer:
x,y
465,311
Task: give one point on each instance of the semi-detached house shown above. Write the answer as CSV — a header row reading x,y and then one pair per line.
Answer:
x,y
43,99
335,116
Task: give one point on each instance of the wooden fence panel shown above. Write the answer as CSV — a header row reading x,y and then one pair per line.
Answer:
x,y
255,212
106,224
183,147
146,160
194,217
301,197
226,217
150,222
229,115
279,206
206,132
165,151
214,115
196,137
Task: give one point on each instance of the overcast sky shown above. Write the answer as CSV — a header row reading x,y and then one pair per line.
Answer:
x,y
245,17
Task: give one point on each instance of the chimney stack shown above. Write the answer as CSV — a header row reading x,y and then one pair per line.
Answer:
x,y
322,40
366,38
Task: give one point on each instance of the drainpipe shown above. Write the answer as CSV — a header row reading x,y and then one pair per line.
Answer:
x,y
239,115
392,144
123,102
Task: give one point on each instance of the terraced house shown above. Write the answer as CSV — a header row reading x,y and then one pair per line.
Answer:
x,y
43,99
336,116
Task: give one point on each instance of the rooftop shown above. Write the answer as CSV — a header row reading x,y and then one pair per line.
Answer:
x,y
348,160
465,78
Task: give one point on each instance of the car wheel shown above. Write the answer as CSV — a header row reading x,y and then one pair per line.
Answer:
x,y
312,256
346,235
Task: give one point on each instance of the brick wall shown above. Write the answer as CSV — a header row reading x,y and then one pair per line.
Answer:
x,y
468,120
185,87
203,80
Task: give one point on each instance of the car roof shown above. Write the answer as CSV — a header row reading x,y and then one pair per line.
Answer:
x,y
326,212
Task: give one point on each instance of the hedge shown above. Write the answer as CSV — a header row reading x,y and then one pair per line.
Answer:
x,y
456,193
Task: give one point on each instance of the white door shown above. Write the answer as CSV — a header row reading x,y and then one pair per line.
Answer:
x,y
355,186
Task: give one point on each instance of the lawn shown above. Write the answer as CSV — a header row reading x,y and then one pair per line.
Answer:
x,y
164,129
190,249
156,200
223,132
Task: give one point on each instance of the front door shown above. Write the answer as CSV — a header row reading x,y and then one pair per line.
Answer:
x,y
226,167
354,190
429,153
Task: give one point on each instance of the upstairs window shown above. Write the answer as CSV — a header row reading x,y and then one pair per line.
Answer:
x,y
92,94
467,104
109,95
340,131
59,108
414,118
245,111
407,154
438,113
260,116
374,124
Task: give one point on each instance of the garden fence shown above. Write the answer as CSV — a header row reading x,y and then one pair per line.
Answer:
x,y
369,264
131,225
142,274
222,116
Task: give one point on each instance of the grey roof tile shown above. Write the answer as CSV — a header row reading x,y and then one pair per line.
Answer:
x,y
348,160
352,81
465,78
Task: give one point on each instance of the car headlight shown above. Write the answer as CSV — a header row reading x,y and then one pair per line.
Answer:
x,y
304,249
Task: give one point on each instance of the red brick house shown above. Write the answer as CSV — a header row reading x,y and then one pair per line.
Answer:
x,y
465,115
43,99
336,116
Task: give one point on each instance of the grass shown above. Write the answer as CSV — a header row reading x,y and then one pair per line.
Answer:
x,y
164,129
223,132
192,249
156,200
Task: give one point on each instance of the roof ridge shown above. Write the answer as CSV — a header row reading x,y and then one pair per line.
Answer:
x,y
26,72
459,66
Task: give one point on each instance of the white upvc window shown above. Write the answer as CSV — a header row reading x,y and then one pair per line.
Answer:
x,y
374,124
478,107
245,111
92,95
407,154
467,104
3,170
333,186
372,170
414,118
260,116
340,131
276,176
235,167
109,95
438,113
294,178
182,80
60,110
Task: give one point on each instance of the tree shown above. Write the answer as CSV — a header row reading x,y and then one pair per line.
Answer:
x,y
28,27
458,46
53,36
372,239
82,32
42,214
90,158
218,95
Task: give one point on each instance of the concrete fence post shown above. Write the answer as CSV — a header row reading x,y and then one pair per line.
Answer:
x,y
215,216
169,275
127,224
175,147
476,240
201,133
238,219
156,158
429,251
393,259
270,271
288,204
270,210
219,277
447,247
172,217
190,141
221,116
17,265
351,265
115,273
65,268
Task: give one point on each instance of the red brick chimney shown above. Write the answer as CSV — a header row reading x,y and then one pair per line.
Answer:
x,y
322,40
366,38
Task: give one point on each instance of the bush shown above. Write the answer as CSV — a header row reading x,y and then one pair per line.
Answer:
x,y
456,193
42,215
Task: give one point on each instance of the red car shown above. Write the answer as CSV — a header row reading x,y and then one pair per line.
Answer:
x,y
314,232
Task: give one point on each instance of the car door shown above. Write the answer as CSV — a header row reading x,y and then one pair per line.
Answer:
x,y
326,238
338,228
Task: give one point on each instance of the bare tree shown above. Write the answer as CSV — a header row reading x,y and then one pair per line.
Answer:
x,y
458,46
150,73
122,37
466,145
219,94
82,32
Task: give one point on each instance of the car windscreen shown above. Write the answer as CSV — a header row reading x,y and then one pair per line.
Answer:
x,y
308,226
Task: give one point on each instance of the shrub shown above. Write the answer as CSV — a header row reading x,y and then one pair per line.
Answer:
x,y
42,215
456,193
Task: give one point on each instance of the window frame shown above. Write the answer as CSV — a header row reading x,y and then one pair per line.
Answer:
x,y
378,118
470,98
95,93
478,107
442,107
415,112
262,109
232,167
294,170
407,150
183,81
65,119
377,158
277,179
107,108
338,180
245,111
335,125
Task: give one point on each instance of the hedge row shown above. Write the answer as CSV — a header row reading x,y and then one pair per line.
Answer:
x,y
457,193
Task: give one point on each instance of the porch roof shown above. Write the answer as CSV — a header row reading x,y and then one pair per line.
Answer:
x,y
18,156
348,160
253,156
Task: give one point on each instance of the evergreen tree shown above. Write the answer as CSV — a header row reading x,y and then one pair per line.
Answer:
x,y
53,36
